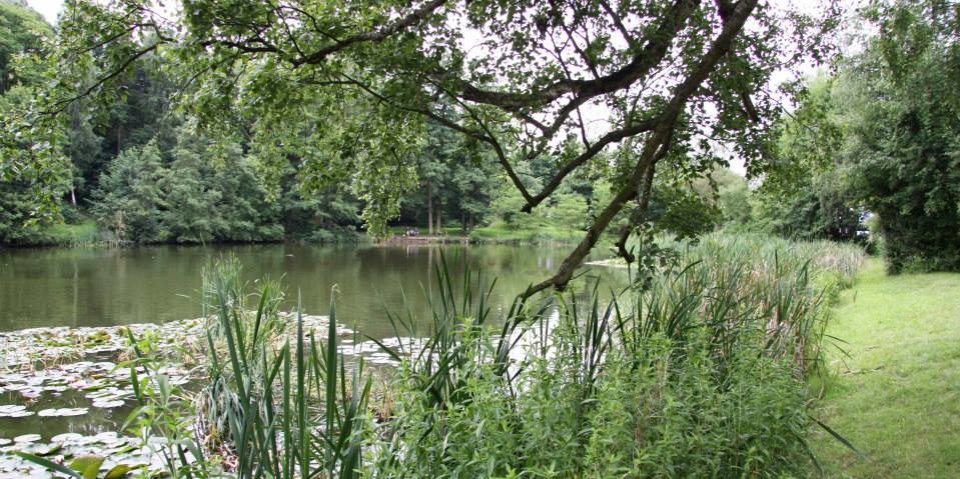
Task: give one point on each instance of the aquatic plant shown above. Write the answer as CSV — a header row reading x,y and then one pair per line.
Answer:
x,y
278,406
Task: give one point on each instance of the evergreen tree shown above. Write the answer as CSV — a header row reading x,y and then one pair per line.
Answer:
x,y
129,200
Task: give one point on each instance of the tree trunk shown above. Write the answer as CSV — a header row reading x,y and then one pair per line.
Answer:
x,y
439,224
429,208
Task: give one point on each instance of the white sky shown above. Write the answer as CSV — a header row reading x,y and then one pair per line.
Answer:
x,y
48,8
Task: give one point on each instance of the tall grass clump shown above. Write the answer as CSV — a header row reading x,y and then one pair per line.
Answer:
x,y
698,370
279,403
699,373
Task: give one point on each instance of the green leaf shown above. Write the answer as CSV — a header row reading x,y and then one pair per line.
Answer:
x,y
87,466
118,471
50,465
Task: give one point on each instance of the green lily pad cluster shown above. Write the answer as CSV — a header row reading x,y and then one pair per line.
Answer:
x,y
103,456
104,384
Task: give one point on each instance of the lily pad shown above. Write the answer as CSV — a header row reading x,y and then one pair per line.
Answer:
x,y
13,410
66,437
66,411
106,404
118,471
87,466
26,438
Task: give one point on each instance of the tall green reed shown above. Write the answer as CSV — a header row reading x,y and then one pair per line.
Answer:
x,y
279,403
700,371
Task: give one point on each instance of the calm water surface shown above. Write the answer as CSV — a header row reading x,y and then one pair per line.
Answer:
x,y
104,287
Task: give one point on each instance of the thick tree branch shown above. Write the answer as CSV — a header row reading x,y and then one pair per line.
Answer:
x,y
592,151
628,192
639,213
644,60
656,144
413,18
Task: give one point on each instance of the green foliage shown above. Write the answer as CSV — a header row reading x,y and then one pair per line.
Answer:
x,y
805,193
353,91
682,212
880,137
267,382
702,373
22,32
31,157
129,198
212,194
905,129
678,387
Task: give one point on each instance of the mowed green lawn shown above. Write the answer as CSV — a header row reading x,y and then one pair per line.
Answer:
x,y
897,397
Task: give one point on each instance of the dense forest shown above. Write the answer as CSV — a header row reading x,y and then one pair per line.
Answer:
x,y
143,173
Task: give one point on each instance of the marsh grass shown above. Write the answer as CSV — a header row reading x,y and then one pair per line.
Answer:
x,y
700,372
278,406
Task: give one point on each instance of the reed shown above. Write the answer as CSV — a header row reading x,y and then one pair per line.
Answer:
x,y
279,403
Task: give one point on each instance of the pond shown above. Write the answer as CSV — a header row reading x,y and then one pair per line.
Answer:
x,y
106,287
103,288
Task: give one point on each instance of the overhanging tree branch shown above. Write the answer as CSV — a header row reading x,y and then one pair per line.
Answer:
x,y
413,18
657,44
656,144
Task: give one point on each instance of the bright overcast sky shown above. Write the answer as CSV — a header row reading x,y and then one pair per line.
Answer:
x,y
48,8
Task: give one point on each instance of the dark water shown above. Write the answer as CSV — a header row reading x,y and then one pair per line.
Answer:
x,y
103,287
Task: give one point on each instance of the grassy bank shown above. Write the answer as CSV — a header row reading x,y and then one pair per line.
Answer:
x,y
497,233
82,232
504,233
897,395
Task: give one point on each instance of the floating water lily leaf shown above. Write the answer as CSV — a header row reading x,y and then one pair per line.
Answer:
x,y
78,411
108,404
26,438
14,410
48,464
65,437
87,466
107,436
42,449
